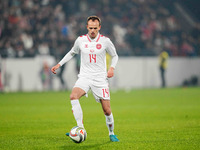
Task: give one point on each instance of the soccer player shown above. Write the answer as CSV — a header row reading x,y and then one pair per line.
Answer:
x,y
93,73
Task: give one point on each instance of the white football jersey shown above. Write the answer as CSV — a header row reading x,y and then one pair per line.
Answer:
x,y
93,55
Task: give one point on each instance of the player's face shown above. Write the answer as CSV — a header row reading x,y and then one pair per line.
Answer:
x,y
93,28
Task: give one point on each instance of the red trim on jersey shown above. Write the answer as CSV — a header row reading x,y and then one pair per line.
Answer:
x,y
88,39
104,36
98,38
83,35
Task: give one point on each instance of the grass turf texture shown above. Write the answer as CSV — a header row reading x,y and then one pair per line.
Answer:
x,y
144,119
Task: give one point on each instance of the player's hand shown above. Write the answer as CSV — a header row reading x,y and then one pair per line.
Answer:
x,y
110,73
53,69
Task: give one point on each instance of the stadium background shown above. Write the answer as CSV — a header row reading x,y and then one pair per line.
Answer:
x,y
42,32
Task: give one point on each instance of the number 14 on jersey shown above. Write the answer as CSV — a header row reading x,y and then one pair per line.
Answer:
x,y
93,57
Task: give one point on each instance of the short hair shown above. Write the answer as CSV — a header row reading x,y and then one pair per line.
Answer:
x,y
93,18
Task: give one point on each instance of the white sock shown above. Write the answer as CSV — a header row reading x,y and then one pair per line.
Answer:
x,y
77,111
110,124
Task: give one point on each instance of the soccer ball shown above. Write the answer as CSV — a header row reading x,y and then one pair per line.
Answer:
x,y
78,134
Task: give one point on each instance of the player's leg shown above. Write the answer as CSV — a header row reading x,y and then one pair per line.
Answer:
x,y
81,88
109,116
109,119
102,95
76,94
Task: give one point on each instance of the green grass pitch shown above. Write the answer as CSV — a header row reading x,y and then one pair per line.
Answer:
x,y
144,119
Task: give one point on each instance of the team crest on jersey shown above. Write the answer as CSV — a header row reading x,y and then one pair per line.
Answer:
x,y
86,45
98,46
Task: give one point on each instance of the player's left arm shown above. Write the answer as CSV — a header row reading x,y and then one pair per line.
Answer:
x,y
112,52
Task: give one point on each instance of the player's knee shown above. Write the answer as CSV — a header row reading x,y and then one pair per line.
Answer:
x,y
107,112
74,96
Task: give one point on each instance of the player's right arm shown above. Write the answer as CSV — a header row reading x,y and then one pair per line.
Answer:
x,y
67,57
54,68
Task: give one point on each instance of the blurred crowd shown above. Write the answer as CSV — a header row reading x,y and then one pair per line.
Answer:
x,y
136,27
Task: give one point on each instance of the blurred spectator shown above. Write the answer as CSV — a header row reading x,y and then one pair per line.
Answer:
x,y
43,48
46,77
27,41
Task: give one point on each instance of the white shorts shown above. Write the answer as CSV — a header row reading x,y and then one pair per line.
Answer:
x,y
99,87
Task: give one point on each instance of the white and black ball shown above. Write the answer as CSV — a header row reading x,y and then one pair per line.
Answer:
x,y
78,134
